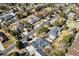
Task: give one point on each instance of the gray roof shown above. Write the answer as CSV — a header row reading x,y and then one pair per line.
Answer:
x,y
41,43
41,52
3,36
55,31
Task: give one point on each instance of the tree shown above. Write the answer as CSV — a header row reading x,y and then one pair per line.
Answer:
x,y
41,16
50,25
29,12
43,29
38,8
19,44
18,15
50,5
58,53
18,37
65,27
14,54
56,23
62,15
4,7
74,30
14,33
0,26
68,39
60,8
29,39
28,25
50,14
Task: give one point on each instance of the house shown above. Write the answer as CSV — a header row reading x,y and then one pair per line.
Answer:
x,y
53,19
24,34
62,5
71,24
15,29
9,15
40,43
71,15
33,20
54,33
11,21
1,18
1,47
32,50
38,5
36,26
21,26
44,13
41,52
3,37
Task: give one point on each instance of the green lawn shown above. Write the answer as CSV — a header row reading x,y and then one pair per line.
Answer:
x,y
7,43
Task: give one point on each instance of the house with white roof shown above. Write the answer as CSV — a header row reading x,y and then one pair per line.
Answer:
x,y
71,24
1,47
54,18
0,20
32,50
71,15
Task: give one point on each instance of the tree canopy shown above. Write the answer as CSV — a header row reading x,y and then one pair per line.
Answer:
x,y
58,53
19,44
14,54
43,29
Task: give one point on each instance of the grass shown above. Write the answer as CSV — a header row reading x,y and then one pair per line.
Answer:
x,y
60,38
8,43
63,34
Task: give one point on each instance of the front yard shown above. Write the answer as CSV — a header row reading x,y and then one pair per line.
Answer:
x,y
10,41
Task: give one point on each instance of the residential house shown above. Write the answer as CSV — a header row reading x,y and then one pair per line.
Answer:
x,y
54,18
33,20
71,24
71,15
24,34
1,18
39,45
41,52
53,33
1,47
32,50
11,21
3,37
9,15
43,13
21,26
38,5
